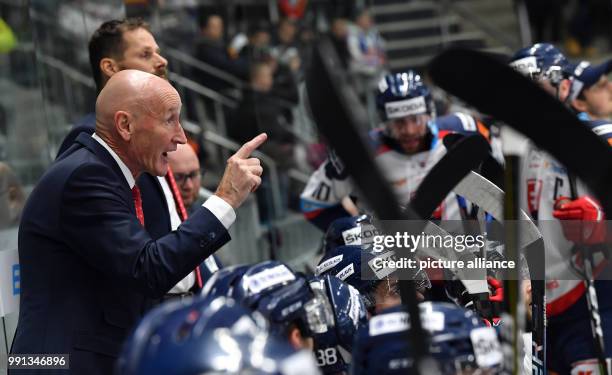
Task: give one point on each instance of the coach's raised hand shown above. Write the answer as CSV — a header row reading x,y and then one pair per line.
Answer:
x,y
242,174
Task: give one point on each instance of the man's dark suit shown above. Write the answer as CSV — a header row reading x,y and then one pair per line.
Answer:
x,y
88,268
157,218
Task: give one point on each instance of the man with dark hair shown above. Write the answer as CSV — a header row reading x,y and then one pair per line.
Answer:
x,y
125,44
117,45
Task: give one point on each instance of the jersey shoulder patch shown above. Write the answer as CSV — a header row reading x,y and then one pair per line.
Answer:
x,y
602,128
460,123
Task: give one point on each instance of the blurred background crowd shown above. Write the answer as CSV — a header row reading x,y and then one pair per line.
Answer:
x,y
239,67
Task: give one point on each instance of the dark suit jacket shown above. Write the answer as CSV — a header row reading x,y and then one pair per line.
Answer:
x,y
157,218
88,268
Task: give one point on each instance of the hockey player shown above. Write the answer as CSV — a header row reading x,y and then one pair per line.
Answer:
x,y
333,348
377,284
557,202
295,310
406,148
209,336
459,342
591,92
351,230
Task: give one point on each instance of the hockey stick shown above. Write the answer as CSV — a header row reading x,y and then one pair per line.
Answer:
x,y
455,70
439,70
338,115
591,295
489,197
498,90
464,155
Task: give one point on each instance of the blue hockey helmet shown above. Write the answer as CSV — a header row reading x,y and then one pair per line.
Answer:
x,y
333,348
364,269
351,230
211,335
223,281
459,341
403,94
541,61
285,298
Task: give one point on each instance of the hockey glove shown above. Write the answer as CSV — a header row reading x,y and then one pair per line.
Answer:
x,y
582,220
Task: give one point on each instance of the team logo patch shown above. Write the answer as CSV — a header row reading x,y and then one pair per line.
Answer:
x,y
403,108
268,278
361,235
534,189
388,323
346,272
526,66
603,129
486,347
328,264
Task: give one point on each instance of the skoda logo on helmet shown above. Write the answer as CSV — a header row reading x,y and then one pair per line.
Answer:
x,y
403,108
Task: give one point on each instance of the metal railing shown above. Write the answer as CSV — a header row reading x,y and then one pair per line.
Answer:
x,y
288,236
193,62
486,27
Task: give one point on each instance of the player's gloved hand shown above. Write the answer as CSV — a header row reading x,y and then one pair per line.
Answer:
x,y
496,290
496,298
582,220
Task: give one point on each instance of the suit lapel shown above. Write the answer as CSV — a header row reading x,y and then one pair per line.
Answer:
x,y
97,149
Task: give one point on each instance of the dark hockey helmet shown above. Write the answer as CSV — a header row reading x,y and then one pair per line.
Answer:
x,y
333,348
363,269
403,94
284,297
459,341
541,61
222,282
352,230
210,335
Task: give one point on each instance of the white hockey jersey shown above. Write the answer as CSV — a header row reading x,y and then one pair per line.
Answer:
x,y
546,180
320,200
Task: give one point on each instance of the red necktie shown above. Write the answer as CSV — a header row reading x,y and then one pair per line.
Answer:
x,y
182,212
138,204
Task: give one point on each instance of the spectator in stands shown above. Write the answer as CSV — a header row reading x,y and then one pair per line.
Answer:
x,y
285,49
261,110
257,42
294,9
546,18
186,167
365,45
211,49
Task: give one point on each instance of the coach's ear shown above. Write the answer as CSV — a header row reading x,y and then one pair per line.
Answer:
x,y
124,124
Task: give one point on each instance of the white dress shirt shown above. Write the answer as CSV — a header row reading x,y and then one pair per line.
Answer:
x,y
220,208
